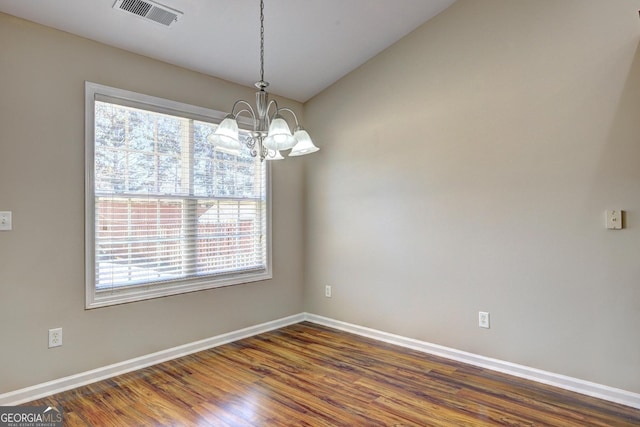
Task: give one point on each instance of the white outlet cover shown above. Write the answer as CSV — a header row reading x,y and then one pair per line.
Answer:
x,y
55,337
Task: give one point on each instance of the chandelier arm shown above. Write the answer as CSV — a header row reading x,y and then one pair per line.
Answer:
x,y
295,117
249,108
245,110
275,104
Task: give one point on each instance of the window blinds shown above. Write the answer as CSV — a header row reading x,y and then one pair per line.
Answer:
x,y
168,206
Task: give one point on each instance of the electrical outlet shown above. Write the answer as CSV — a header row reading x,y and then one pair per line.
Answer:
x,y
327,291
55,337
483,319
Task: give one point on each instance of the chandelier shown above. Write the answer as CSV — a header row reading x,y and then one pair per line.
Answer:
x,y
271,133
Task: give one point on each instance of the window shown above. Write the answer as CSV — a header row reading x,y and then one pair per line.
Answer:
x,y
166,213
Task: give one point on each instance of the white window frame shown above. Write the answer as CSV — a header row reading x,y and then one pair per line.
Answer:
x,y
94,298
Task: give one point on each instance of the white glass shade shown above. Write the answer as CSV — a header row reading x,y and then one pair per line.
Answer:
x,y
226,138
234,151
279,136
276,156
304,144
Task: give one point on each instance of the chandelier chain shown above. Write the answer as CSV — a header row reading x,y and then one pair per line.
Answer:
x,y
262,40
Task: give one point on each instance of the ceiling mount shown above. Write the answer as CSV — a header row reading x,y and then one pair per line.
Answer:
x,y
149,10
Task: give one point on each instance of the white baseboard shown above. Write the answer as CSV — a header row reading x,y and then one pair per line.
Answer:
x,y
67,383
561,381
588,388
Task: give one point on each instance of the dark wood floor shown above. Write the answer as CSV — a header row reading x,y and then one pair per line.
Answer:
x,y
309,375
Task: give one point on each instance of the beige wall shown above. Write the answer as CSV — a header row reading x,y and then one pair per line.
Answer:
x,y
468,167
42,74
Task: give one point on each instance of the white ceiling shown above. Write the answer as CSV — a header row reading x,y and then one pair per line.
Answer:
x,y
309,44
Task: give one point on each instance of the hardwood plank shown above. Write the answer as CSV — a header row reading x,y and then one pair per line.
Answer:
x,y
310,375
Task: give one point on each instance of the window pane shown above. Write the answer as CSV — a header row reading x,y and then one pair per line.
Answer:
x,y
169,175
228,236
220,174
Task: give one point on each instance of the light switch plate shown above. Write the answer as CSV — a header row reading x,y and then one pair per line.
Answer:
x,y
483,319
5,221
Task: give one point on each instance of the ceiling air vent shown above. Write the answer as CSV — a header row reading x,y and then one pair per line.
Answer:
x,y
149,10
